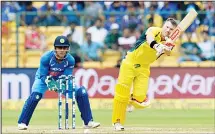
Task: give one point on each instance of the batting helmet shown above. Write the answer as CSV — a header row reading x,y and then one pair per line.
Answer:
x,y
61,41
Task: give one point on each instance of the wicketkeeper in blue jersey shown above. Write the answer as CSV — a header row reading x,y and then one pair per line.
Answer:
x,y
53,64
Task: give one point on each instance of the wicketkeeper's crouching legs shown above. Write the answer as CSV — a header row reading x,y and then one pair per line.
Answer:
x,y
84,107
28,109
82,101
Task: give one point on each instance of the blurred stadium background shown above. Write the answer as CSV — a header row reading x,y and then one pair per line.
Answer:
x,y
182,86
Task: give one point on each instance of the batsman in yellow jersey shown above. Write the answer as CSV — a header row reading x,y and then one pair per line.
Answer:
x,y
135,70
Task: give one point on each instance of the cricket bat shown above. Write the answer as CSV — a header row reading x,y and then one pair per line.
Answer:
x,y
183,25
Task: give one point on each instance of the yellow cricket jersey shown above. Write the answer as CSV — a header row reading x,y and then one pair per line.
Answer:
x,y
142,53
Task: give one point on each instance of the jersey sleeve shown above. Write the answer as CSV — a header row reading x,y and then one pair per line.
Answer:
x,y
44,67
71,63
151,31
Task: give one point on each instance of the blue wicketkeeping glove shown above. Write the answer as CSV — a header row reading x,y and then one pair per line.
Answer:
x,y
52,84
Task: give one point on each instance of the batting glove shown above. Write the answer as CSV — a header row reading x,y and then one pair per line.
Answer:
x,y
159,48
168,46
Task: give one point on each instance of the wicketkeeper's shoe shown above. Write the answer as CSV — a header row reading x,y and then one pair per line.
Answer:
x,y
22,126
92,124
118,127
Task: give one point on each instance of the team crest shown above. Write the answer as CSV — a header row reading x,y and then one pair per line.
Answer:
x,y
62,40
37,97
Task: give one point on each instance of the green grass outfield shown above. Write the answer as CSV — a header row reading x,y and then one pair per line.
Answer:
x,y
139,121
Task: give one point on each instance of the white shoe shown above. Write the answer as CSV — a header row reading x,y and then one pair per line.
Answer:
x,y
118,127
22,126
92,124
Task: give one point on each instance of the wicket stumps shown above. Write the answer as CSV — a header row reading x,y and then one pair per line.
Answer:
x,y
64,80
73,102
60,105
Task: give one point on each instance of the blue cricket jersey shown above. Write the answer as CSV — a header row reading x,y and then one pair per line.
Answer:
x,y
50,66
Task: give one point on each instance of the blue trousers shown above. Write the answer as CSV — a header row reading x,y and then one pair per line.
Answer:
x,y
38,90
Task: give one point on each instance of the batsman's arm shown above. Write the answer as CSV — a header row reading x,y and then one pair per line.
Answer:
x,y
150,38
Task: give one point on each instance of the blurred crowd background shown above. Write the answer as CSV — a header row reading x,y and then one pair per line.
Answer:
x,y
100,33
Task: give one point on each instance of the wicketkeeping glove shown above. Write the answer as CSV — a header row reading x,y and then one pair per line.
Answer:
x,y
63,86
62,78
51,84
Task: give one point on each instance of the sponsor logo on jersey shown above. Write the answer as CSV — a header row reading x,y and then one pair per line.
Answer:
x,y
56,69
